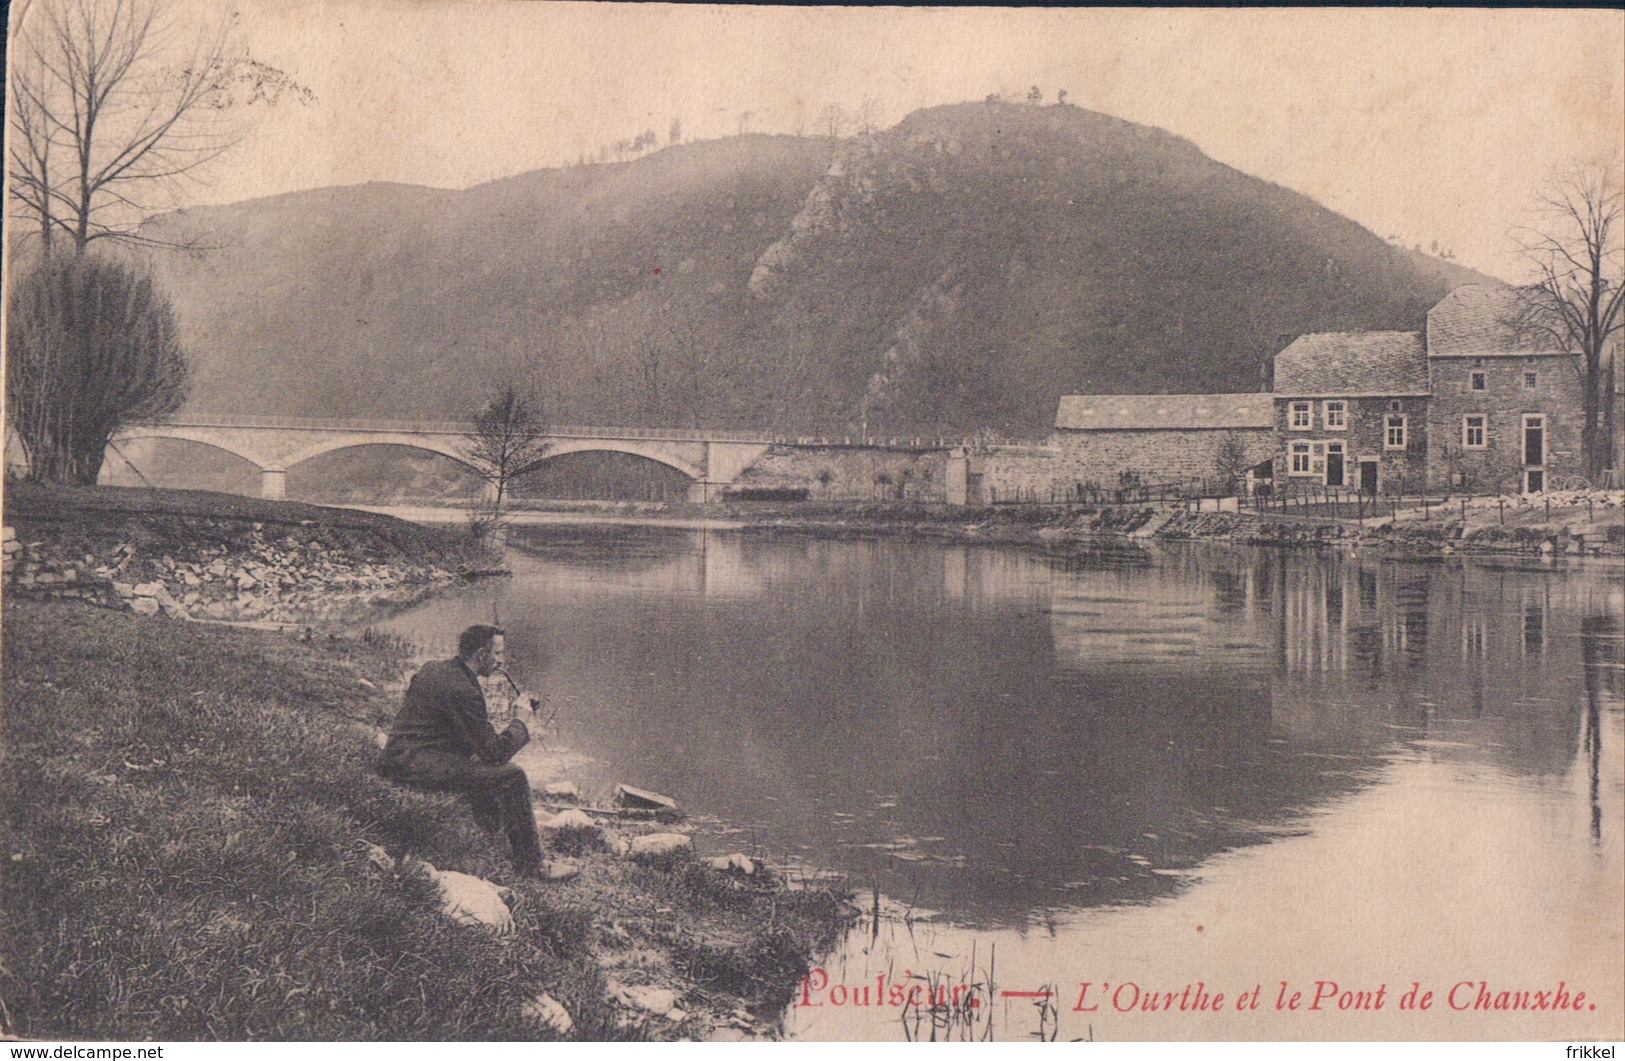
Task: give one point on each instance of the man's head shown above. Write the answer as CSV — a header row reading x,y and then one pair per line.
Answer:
x,y
482,648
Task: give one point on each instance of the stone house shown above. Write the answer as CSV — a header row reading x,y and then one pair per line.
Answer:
x,y
1351,410
1159,438
1507,410
1465,404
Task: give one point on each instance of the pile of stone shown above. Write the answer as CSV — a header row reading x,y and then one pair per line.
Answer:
x,y
259,577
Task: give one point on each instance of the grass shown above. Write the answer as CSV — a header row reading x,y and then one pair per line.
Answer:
x,y
185,857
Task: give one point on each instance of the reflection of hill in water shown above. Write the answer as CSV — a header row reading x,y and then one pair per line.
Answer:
x,y
1002,734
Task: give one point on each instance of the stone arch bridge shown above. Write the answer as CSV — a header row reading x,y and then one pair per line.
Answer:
x,y
710,459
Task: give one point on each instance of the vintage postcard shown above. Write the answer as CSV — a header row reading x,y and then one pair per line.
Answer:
x,y
622,521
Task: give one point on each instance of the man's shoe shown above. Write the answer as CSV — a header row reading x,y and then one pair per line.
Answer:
x,y
559,869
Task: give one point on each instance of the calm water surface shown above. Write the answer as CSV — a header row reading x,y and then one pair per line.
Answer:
x,y
1144,768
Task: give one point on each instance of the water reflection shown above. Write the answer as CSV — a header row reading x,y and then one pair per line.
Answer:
x,y
1020,743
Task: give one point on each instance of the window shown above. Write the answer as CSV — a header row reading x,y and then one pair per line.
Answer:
x,y
1475,381
1472,431
1300,459
1393,436
1530,381
1302,417
1337,416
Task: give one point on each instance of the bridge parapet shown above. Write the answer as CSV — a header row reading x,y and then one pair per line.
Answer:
x,y
460,427
710,459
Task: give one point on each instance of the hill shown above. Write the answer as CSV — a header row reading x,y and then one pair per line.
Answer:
x,y
958,271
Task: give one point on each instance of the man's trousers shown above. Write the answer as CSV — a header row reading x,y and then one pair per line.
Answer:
x,y
499,796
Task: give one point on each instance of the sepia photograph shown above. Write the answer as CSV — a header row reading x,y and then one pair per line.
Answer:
x,y
532,521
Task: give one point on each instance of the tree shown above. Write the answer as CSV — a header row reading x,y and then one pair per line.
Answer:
x,y
1230,460
505,441
1574,251
91,345
114,106
833,120
868,117
674,135
1035,95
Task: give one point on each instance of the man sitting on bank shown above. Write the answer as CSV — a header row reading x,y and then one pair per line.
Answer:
x,y
443,740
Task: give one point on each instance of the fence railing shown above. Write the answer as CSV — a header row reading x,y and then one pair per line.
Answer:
x,y
1341,503
1126,493
642,434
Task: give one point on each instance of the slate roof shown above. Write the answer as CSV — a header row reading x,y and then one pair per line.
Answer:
x,y
1143,412
1344,364
1475,321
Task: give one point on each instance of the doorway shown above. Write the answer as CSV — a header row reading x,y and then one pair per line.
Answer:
x,y
1368,478
1534,453
1334,464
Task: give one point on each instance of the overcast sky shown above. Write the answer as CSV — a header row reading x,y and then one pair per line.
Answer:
x,y
1426,125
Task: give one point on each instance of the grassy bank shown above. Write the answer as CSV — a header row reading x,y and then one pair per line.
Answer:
x,y
190,813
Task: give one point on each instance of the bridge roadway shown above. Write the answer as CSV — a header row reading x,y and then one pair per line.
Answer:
x,y
710,459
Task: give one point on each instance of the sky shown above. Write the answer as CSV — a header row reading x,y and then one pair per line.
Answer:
x,y
1424,125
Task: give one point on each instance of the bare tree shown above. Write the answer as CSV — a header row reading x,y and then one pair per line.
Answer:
x,y
1230,460
91,346
505,441
869,116
114,105
834,120
648,355
1574,250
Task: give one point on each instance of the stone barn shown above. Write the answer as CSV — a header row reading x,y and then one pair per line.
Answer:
x,y
1103,441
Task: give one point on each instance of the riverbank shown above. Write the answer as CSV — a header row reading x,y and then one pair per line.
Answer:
x,y
206,556
1575,525
197,846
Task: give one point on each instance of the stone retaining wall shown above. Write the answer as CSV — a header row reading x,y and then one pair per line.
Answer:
x,y
242,573
849,473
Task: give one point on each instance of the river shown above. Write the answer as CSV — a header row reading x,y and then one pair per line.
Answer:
x,y
1169,772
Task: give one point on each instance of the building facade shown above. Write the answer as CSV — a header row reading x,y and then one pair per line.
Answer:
x,y
1506,412
1105,441
1351,412
1466,404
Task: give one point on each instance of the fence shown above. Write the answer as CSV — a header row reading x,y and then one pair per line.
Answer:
x,y
1127,492
642,434
1325,502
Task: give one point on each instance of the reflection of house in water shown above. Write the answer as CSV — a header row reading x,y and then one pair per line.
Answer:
x,y
1365,652
1485,657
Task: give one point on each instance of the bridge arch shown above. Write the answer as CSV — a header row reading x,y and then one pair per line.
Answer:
x,y
160,434
647,450
428,444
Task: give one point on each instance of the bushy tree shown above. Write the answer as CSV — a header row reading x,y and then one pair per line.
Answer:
x,y
91,345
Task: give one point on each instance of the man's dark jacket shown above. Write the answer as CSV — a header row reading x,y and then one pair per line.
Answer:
x,y
445,712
